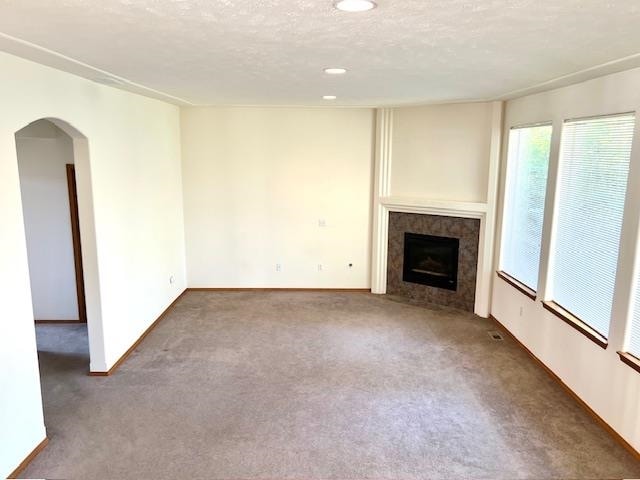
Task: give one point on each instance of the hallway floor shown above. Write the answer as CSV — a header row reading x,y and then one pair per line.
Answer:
x,y
310,385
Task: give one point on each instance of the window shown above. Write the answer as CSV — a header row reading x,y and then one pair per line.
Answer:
x,y
592,183
528,163
634,339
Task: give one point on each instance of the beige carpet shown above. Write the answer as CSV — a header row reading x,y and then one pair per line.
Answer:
x,y
291,385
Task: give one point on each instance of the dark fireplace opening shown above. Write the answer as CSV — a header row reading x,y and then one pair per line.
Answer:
x,y
430,260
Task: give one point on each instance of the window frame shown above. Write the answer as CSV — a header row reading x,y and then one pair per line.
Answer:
x,y
627,357
548,302
500,272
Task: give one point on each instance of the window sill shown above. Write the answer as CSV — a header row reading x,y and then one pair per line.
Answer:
x,y
630,360
576,323
521,287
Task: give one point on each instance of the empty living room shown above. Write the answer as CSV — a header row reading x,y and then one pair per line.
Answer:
x,y
320,239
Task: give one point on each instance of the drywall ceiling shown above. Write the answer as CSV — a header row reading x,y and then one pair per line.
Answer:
x,y
272,52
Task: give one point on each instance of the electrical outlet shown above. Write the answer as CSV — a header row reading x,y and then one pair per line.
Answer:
x,y
171,280
278,267
319,267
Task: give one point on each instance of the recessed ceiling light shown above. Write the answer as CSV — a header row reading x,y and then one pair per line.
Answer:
x,y
355,5
329,97
335,71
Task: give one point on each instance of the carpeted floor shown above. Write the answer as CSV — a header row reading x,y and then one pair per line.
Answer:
x,y
270,385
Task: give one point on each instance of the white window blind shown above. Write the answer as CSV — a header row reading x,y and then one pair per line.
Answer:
x,y
592,183
527,167
634,340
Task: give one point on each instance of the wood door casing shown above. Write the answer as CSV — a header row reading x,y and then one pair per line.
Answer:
x,y
77,248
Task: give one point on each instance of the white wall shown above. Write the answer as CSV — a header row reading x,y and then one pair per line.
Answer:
x,y
135,176
257,182
442,152
43,153
609,387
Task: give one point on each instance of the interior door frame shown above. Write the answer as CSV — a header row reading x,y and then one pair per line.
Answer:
x,y
77,245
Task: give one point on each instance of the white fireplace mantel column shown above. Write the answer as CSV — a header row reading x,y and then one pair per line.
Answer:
x,y
381,189
384,202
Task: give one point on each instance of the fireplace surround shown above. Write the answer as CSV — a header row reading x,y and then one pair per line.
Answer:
x,y
434,238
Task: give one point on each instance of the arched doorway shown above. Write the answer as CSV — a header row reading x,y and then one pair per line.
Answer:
x,y
55,184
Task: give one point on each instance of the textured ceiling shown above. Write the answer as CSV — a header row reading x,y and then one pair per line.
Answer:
x,y
272,52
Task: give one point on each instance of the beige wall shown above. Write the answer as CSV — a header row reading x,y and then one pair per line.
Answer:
x,y
441,152
608,386
258,182
130,187
43,153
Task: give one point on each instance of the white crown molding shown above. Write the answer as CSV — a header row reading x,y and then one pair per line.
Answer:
x,y
607,68
53,59
44,56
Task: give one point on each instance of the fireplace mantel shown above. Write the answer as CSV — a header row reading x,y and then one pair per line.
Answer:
x,y
388,204
434,207
384,202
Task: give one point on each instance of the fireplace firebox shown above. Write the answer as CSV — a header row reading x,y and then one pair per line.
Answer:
x,y
431,260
